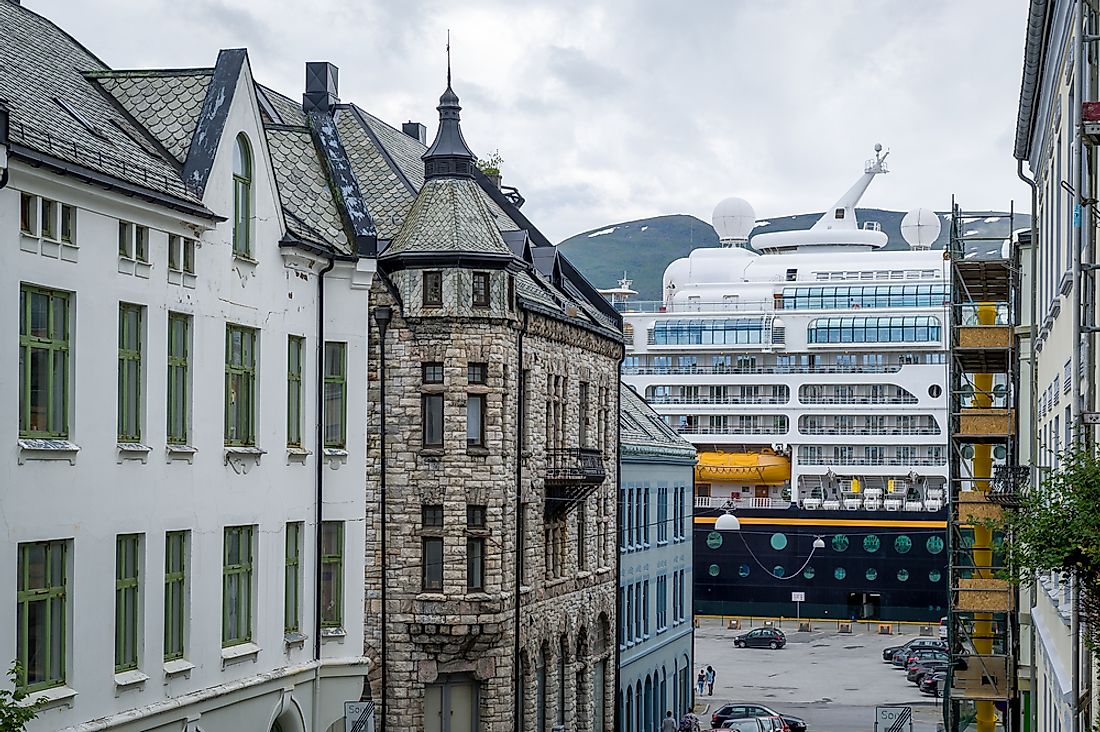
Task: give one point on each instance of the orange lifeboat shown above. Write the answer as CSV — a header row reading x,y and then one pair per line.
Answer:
x,y
752,468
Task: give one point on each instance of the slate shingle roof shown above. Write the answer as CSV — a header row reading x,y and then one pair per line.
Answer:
x,y
303,185
387,194
166,103
644,432
41,69
449,215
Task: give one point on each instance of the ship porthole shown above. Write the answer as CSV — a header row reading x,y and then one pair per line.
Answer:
x,y
934,544
809,573
840,573
714,540
713,570
779,542
903,575
934,391
840,542
871,543
872,574
779,571
934,575
743,570
903,544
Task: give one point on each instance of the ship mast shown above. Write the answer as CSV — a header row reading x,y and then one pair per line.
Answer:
x,y
842,215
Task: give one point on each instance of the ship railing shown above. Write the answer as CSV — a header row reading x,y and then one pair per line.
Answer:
x,y
858,400
833,460
881,430
693,306
734,370
689,429
716,400
734,503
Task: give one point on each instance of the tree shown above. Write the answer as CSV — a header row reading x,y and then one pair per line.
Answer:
x,y
15,714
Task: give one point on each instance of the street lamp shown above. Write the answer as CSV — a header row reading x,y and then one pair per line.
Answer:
x,y
727,522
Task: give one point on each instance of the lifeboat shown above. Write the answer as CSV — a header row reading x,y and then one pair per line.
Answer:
x,y
753,468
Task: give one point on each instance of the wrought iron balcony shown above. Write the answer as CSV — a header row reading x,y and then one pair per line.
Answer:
x,y
572,474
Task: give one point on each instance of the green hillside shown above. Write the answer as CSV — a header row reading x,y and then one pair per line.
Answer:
x,y
645,247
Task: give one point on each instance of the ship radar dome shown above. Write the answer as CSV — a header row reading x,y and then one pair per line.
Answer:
x,y
920,228
734,220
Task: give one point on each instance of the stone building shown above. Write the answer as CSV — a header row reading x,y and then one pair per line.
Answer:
x,y
492,467
656,635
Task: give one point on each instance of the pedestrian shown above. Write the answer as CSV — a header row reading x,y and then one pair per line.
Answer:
x,y
701,680
710,681
668,724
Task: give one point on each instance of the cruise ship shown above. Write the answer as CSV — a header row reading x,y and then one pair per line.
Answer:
x,y
809,369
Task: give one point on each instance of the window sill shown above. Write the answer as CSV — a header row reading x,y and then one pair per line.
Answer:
x,y
336,456
295,454
126,680
477,451
47,449
239,652
431,597
432,452
184,279
243,458
245,259
177,667
1066,283
294,639
331,633
478,596
133,451
181,452
48,698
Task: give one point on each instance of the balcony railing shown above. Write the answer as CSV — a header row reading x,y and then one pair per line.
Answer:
x,y
710,370
690,429
572,474
660,399
694,306
883,430
839,460
807,399
716,502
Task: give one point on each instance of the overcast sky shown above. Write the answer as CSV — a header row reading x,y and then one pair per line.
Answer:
x,y
610,111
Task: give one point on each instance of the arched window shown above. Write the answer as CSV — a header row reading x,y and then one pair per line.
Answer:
x,y
242,197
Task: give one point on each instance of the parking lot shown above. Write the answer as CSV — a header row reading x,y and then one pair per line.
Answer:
x,y
832,680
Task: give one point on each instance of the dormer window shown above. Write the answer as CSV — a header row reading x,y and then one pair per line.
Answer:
x,y
433,289
242,198
481,290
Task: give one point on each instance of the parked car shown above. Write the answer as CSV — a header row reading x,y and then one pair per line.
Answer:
x,y
925,665
761,638
902,659
746,725
751,711
932,683
888,653
943,629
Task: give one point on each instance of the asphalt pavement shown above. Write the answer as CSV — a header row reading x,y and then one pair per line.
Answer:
x,y
832,680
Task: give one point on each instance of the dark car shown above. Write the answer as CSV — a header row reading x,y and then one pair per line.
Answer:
x,y
752,711
902,659
925,665
888,653
761,638
932,683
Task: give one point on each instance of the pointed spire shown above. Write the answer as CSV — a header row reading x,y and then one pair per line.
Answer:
x,y
449,155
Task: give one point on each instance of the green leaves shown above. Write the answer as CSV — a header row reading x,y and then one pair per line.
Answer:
x,y
14,713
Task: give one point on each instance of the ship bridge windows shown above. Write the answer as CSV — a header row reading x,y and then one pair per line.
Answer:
x,y
863,296
910,329
727,331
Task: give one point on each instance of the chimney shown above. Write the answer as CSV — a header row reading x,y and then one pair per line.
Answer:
x,y
322,82
416,131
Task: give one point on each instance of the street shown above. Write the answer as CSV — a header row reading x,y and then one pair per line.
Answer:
x,y
833,681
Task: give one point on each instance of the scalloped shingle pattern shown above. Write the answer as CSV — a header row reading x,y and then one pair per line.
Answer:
x,y
388,198
167,104
642,427
303,185
449,215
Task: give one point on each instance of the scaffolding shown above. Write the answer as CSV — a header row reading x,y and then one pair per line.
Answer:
x,y
982,620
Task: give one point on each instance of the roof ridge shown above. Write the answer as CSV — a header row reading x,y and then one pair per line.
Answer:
x,y
151,73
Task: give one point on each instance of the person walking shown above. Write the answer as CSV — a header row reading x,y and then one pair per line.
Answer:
x,y
668,724
710,680
701,680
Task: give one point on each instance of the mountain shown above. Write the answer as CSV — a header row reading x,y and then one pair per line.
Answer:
x,y
643,248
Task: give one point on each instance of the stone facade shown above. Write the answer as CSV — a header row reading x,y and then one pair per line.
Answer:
x,y
567,593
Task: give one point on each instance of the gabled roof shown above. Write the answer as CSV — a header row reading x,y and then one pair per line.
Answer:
x,y
64,121
643,432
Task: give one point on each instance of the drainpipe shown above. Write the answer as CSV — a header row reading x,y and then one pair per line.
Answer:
x,y
319,482
382,317
1032,403
4,163
520,542
1078,225
618,535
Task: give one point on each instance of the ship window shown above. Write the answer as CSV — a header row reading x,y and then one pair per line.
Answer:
x,y
840,542
839,214
903,544
872,574
864,296
743,570
934,544
873,330
778,571
903,575
871,543
809,573
714,539
934,575
840,573
713,570
708,332
779,542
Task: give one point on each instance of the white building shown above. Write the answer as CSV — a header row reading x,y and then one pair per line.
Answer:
x,y
167,239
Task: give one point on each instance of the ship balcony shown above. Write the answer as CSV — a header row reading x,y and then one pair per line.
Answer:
x,y
986,425
984,595
981,677
572,475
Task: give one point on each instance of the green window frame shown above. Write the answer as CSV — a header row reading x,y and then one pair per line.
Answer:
x,y
242,198
41,623
240,385
49,219
237,585
175,594
179,377
292,597
332,574
127,601
295,353
336,394
129,372
44,333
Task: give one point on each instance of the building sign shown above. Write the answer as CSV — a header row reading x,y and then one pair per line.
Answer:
x,y
359,716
